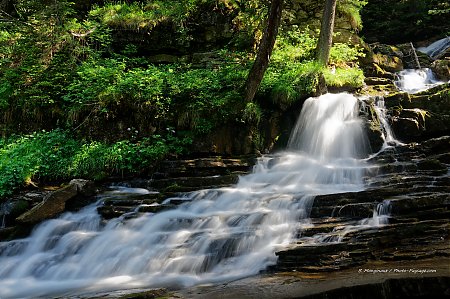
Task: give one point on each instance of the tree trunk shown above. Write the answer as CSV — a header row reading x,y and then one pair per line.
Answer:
x,y
326,32
264,51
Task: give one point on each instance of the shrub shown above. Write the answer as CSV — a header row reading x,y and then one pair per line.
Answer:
x,y
58,155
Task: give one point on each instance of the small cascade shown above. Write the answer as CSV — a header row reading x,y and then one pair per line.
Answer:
x,y
381,214
437,48
416,80
386,129
380,217
217,235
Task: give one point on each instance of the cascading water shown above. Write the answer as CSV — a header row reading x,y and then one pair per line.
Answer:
x,y
416,80
437,48
380,217
221,234
386,130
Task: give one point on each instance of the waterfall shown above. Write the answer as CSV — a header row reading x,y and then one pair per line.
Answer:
x,y
416,80
437,48
221,234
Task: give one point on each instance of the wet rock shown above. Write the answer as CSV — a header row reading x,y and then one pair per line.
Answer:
x,y
396,99
52,205
422,115
204,167
110,212
150,294
407,129
130,294
193,183
441,69
432,164
84,187
411,287
155,208
34,196
374,135
437,145
414,187
6,233
355,210
377,81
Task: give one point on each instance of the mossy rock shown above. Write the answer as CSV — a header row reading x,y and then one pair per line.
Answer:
x,y
442,69
388,63
397,99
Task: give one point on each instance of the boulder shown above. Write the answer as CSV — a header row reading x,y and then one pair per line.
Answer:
x,y
374,135
422,115
441,69
387,62
54,203
84,187
51,206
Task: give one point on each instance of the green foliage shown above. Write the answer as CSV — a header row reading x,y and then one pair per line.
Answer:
x,y
63,62
41,47
143,15
287,84
292,71
295,45
339,77
345,72
160,90
344,54
440,8
351,9
57,155
252,113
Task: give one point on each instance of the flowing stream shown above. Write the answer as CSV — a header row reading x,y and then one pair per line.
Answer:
x,y
221,234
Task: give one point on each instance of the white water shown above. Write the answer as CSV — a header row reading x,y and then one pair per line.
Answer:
x,y
436,48
386,130
221,235
416,80
380,217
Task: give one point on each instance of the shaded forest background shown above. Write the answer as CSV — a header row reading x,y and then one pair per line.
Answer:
x,y
99,88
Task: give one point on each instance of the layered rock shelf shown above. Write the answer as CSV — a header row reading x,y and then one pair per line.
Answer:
x,y
174,181
414,184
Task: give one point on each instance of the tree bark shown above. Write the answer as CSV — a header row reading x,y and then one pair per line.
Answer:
x,y
326,32
264,51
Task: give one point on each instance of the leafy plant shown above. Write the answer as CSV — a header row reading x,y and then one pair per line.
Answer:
x,y
58,155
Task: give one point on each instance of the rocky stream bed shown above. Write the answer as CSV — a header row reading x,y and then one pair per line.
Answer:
x,y
394,259
406,257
